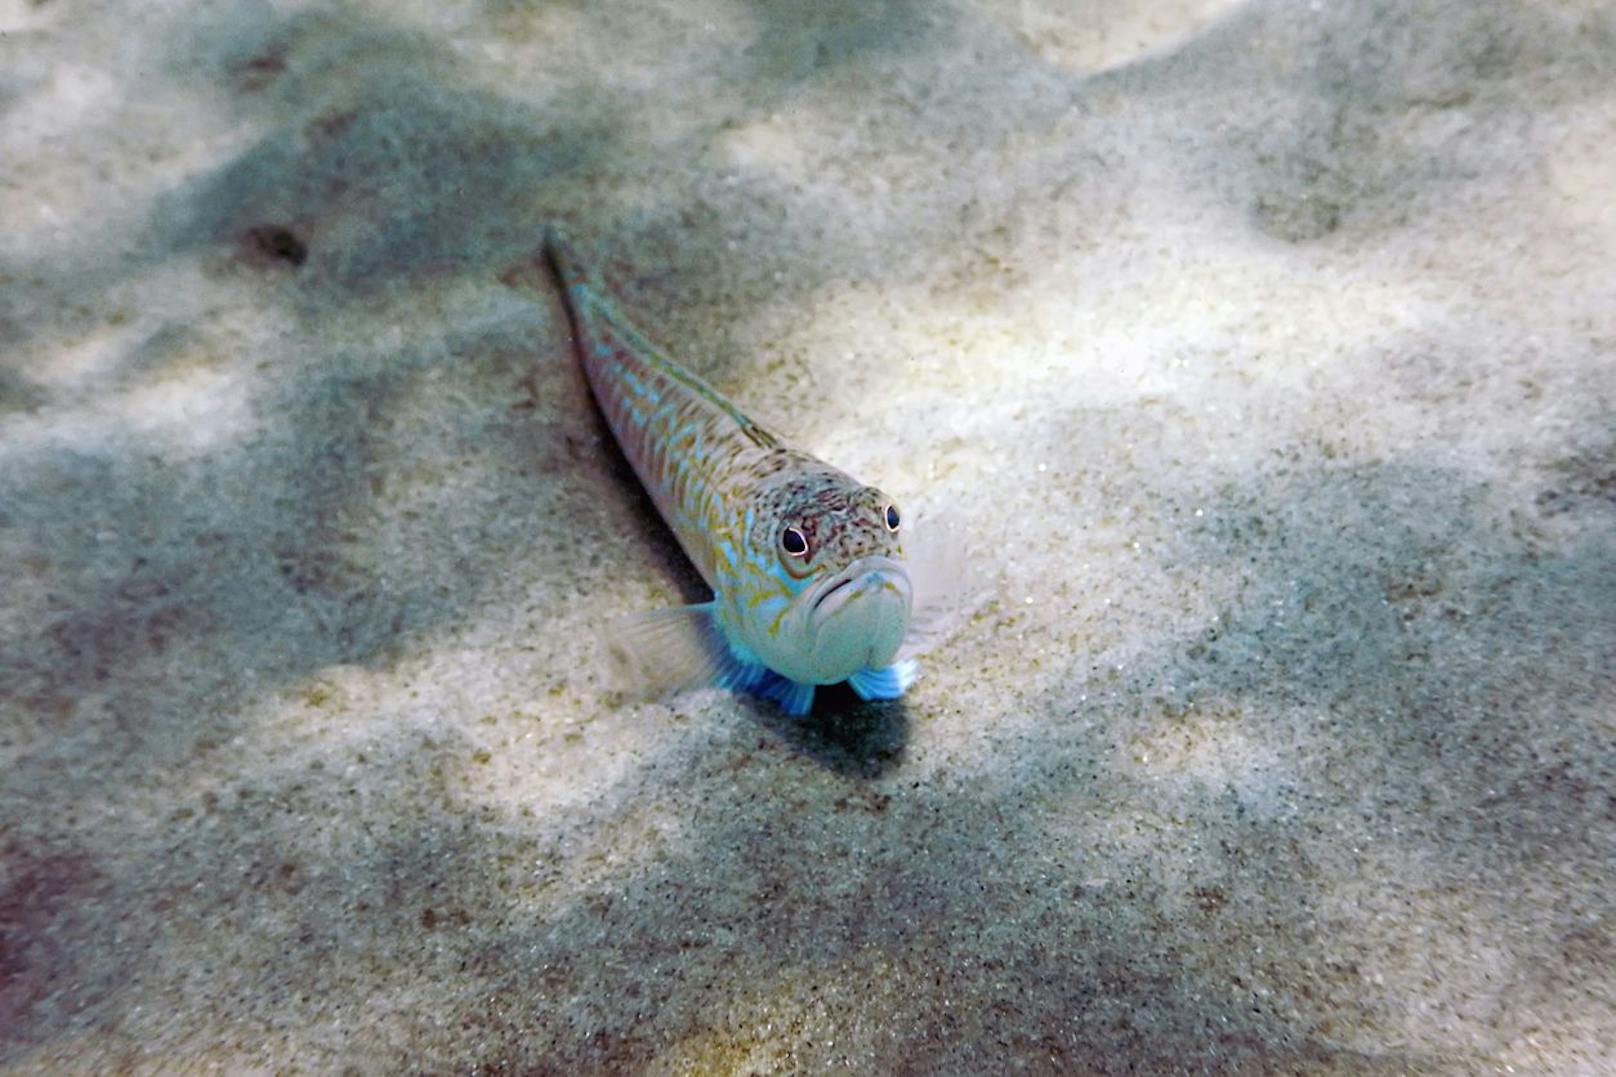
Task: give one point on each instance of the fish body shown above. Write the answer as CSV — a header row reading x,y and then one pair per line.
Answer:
x,y
807,565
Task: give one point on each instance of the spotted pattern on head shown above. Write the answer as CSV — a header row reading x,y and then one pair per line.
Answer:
x,y
841,518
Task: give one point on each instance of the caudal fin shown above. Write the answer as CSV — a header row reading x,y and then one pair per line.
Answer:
x,y
563,260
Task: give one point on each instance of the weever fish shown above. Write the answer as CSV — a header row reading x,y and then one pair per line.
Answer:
x,y
807,565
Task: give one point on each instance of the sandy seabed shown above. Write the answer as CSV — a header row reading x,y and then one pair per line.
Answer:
x,y
1263,353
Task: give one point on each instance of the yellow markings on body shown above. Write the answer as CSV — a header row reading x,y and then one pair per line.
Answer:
x,y
757,599
718,541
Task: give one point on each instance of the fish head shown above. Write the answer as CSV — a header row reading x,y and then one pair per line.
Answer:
x,y
829,590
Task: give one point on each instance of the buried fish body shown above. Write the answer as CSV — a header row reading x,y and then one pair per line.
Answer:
x,y
811,582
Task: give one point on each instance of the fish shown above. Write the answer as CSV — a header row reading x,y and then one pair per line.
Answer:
x,y
814,575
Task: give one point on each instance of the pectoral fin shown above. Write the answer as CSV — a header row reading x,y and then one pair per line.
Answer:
x,y
677,649
685,647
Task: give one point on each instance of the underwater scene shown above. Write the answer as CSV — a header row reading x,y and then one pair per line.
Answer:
x,y
788,536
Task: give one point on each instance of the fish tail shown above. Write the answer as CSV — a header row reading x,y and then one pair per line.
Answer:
x,y
563,260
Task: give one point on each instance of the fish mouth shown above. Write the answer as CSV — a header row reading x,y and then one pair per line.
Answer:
x,y
831,590
867,574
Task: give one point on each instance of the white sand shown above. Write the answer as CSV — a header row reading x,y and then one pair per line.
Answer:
x,y
1265,352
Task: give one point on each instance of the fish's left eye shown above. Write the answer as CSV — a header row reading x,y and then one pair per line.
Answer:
x,y
891,517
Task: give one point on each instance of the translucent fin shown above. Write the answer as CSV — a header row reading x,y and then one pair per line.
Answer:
x,y
935,556
889,682
672,650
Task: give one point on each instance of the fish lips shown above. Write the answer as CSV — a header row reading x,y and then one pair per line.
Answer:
x,y
865,577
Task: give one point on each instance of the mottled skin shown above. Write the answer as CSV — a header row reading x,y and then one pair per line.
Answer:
x,y
836,610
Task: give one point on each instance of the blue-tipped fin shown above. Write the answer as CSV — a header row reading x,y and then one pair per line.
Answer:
x,y
794,697
888,682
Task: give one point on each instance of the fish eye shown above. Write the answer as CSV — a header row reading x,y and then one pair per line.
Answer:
x,y
793,542
891,517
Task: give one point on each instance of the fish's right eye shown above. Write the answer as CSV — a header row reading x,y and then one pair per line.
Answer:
x,y
794,542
